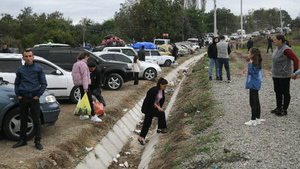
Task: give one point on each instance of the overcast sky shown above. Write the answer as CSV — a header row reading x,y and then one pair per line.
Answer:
x,y
100,10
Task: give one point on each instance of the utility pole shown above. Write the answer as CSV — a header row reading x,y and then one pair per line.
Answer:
x,y
83,35
215,19
242,23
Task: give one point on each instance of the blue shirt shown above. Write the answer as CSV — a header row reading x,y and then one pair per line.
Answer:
x,y
30,81
254,77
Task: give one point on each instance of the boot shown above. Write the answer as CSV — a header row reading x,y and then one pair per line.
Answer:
x,y
20,144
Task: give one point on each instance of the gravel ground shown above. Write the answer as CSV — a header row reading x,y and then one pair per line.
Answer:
x,y
273,144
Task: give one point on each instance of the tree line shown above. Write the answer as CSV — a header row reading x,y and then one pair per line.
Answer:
x,y
135,19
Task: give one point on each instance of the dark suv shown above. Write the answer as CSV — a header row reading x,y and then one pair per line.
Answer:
x,y
114,73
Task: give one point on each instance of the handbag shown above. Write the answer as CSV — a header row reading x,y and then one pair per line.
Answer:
x,y
84,107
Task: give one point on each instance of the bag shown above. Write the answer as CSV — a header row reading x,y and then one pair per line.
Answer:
x,y
99,107
84,107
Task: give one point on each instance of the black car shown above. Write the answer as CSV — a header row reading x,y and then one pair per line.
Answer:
x,y
114,73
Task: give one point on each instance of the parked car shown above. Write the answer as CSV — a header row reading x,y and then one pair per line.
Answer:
x,y
189,46
129,51
59,81
164,49
159,42
182,50
10,113
114,73
194,43
148,71
234,36
155,56
227,39
256,33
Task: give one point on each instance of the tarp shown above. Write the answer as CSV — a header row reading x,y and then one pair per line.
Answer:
x,y
148,45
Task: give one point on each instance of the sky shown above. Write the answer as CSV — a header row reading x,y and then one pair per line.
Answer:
x,y
101,10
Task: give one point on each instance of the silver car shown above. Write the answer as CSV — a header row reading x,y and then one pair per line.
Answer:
x,y
148,71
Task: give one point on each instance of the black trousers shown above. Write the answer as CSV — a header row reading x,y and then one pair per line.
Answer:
x,y
34,106
136,78
282,91
148,120
89,94
271,48
254,104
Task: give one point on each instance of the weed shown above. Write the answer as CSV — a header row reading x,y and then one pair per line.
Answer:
x,y
76,162
167,148
96,156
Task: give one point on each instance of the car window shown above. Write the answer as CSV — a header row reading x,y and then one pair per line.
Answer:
x,y
59,56
122,58
155,53
9,66
47,68
147,53
114,50
128,52
107,57
161,49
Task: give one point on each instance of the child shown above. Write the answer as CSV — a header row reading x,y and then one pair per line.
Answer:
x,y
253,83
136,69
294,75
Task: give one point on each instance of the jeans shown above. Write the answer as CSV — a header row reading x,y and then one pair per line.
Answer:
x,y
224,61
148,120
213,62
254,104
34,106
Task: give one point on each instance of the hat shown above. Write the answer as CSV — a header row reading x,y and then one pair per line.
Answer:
x,y
91,64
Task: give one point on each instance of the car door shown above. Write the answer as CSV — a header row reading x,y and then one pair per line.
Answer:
x,y
122,58
156,55
129,52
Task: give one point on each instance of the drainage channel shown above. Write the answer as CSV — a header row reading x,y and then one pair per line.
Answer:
x,y
114,141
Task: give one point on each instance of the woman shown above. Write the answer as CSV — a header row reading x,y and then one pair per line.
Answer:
x,y
81,78
136,69
152,107
282,71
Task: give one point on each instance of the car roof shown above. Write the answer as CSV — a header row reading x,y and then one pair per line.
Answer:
x,y
51,45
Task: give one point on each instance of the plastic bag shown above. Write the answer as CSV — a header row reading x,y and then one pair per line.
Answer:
x,y
74,113
99,107
84,107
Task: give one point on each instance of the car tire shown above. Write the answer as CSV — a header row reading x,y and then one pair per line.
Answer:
x,y
167,63
150,74
75,94
12,124
114,82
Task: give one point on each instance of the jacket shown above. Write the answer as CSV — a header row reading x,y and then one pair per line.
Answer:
x,y
250,43
142,55
212,50
30,81
81,74
282,65
136,66
223,49
148,104
254,77
175,51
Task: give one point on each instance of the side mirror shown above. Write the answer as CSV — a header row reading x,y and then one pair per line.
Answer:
x,y
58,72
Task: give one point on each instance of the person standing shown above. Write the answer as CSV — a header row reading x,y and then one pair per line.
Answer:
x,y
5,49
81,78
142,54
152,107
174,51
136,69
249,44
30,84
237,44
253,83
96,81
223,58
213,58
270,44
281,72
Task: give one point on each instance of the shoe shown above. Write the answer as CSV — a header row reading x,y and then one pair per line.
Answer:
x,y
276,110
96,119
81,117
20,144
229,81
210,78
38,145
141,141
163,131
251,123
281,113
259,121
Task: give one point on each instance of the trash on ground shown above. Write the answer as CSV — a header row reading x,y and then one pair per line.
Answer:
x,y
115,160
117,156
88,149
121,165
127,153
126,164
137,131
125,110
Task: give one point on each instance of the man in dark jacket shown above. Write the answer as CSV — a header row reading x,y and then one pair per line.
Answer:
x,y
270,43
96,81
174,51
30,84
142,54
213,58
249,44
5,49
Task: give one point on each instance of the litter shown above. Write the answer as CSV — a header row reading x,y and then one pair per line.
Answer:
x,y
115,160
121,165
117,156
126,164
125,110
137,131
127,153
88,149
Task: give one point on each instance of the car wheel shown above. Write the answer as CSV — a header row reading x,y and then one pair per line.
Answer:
x,y
12,125
167,63
150,74
75,94
114,82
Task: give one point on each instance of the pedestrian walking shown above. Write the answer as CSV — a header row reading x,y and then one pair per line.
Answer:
x,y
237,44
281,72
223,58
253,83
136,69
213,58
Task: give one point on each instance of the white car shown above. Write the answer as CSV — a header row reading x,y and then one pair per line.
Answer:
x,y
234,36
59,81
154,56
148,71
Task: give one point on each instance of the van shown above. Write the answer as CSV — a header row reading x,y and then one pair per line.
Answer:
x,y
159,42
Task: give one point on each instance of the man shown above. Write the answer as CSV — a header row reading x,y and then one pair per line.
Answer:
x,y
5,49
30,84
174,51
223,52
249,44
213,58
142,54
270,43
96,80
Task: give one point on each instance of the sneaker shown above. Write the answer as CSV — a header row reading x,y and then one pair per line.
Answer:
x,y
259,121
84,117
95,119
229,81
251,123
